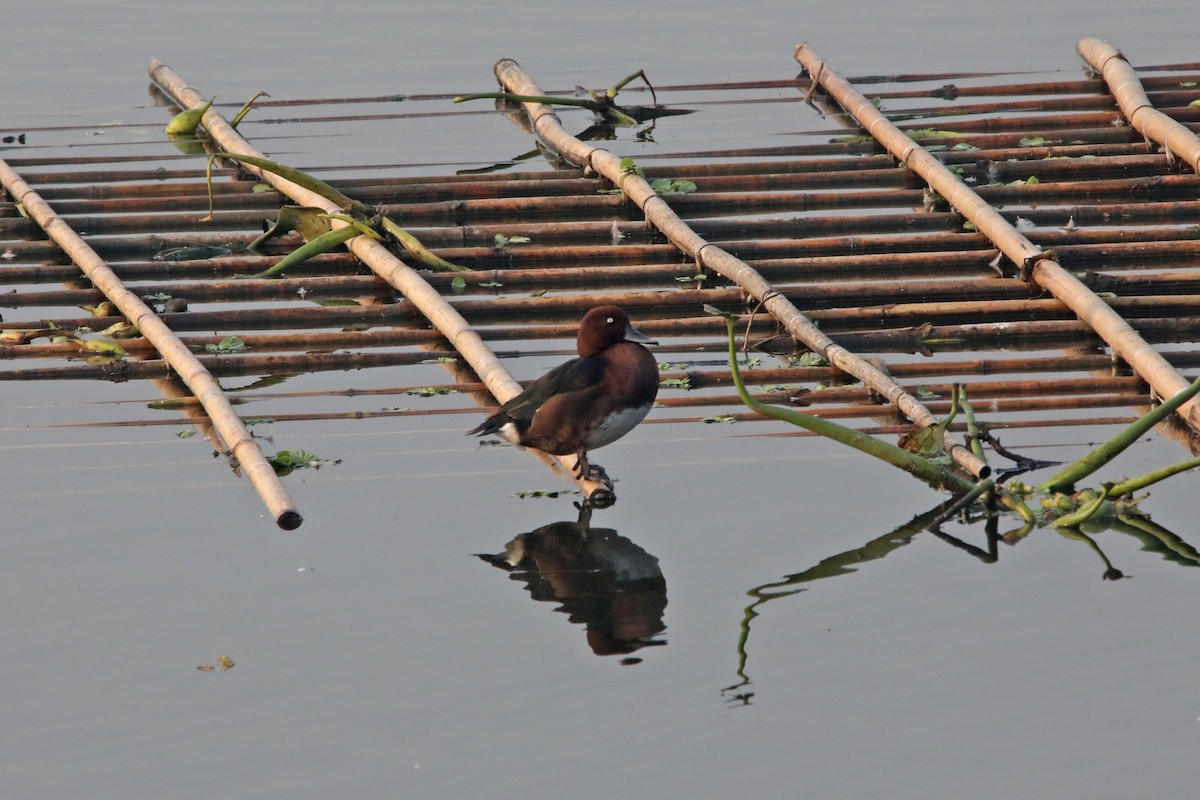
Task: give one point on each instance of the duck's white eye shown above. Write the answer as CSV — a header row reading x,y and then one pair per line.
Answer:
x,y
610,320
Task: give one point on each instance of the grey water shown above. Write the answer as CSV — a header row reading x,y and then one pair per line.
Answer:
x,y
377,655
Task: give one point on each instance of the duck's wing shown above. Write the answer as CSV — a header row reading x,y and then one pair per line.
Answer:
x,y
575,375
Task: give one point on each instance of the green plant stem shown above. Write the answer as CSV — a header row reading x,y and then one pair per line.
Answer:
x,y
413,245
912,463
1065,480
973,440
241,114
1082,515
1131,485
300,179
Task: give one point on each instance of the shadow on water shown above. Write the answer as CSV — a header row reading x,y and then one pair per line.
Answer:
x,y
1154,538
600,580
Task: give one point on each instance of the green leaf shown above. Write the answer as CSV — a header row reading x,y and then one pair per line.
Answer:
x,y
186,434
812,360
1032,141
503,241
230,344
725,419
430,391
458,285
103,347
286,461
551,493
669,186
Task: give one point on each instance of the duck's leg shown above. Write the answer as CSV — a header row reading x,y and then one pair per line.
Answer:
x,y
585,470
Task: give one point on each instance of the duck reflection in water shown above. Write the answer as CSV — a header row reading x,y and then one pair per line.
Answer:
x,y
599,578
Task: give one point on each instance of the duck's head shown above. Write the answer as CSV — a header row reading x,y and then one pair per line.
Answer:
x,y
603,327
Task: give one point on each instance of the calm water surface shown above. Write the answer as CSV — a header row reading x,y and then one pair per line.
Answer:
x,y
377,656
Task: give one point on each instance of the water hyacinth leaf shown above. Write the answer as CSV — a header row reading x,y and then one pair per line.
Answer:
x,y
285,462
430,391
322,244
503,241
105,309
544,493
195,252
230,344
669,186
102,349
121,330
185,122
304,220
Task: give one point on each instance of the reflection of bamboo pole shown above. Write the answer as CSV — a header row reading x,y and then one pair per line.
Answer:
x,y
237,438
658,211
741,199
884,289
1043,269
449,322
1135,105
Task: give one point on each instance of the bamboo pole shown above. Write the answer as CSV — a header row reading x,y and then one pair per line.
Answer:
x,y
417,291
1042,267
550,130
237,438
1135,105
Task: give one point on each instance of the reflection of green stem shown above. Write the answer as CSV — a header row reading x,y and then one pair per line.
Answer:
x,y
841,564
595,106
1110,572
912,463
1156,538
545,100
1065,480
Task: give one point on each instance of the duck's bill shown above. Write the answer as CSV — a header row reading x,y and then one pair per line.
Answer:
x,y
632,334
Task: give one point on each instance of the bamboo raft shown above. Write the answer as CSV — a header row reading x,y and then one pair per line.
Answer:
x,y
1051,269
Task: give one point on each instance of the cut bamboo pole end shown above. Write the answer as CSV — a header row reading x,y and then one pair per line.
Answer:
x,y
549,130
465,340
1042,268
225,420
1135,104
